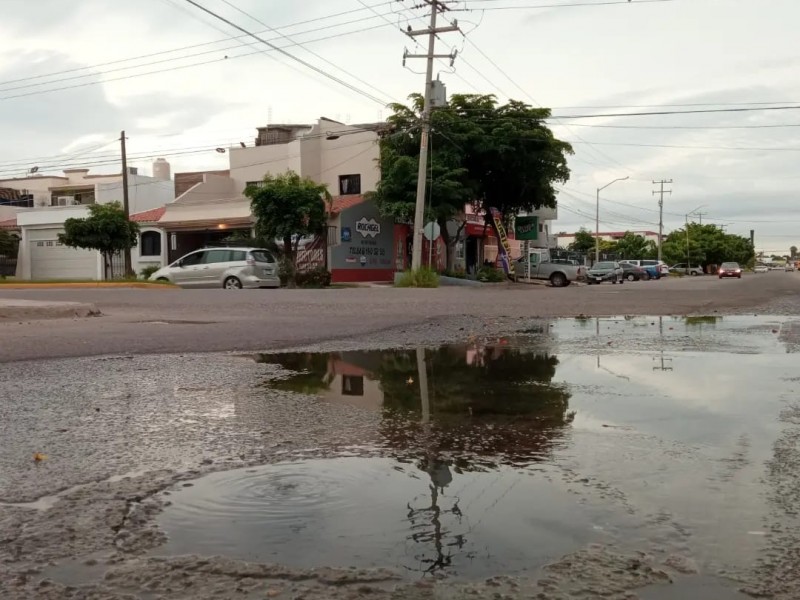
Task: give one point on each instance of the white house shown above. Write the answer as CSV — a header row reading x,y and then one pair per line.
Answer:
x,y
58,198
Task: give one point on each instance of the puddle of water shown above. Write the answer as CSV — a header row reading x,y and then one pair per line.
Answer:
x,y
370,512
668,421
705,588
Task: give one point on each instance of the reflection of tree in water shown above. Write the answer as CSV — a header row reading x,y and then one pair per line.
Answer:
x,y
489,406
702,320
310,371
498,406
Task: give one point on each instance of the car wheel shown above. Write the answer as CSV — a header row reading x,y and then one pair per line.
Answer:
x,y
232,283
558,280
646,276
631,277
695,273
162,280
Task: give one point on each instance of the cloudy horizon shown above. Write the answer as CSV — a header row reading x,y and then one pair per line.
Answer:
x,y
736,167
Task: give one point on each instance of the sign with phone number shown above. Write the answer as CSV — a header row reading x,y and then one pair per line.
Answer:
x,y
367,251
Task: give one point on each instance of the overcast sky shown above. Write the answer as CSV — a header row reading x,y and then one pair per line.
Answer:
x,y
634,57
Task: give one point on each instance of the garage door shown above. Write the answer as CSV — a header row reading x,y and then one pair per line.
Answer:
x,y
51,260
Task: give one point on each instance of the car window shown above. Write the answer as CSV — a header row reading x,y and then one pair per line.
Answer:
x,y
217,256
238,256
192,259
604,265
730,265
262,256
650,263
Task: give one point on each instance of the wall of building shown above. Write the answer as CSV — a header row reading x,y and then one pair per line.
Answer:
x,y
252,163
144,193
365,248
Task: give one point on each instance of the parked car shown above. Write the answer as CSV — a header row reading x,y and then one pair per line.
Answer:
x,y
730,269
559,274
605,271
633,273
229,268
684,270
789,267
761,269
651,271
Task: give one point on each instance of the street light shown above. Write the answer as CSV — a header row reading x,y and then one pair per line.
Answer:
x,y
597,219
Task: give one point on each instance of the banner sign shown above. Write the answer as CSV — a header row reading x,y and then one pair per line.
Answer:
x,y
504,248
526,228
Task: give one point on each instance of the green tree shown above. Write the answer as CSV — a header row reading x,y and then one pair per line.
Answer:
x,y
8,243
634,246
793,252
288,207
584,242
706,245
106,230
482,153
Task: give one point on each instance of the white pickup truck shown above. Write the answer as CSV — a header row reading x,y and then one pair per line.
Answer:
x,y
559,274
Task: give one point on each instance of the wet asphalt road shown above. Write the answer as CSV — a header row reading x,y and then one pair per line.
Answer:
x,y
172,320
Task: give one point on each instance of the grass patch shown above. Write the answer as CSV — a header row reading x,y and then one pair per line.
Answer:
x,y
424,277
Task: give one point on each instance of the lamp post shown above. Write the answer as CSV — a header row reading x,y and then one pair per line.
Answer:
x,y
597,219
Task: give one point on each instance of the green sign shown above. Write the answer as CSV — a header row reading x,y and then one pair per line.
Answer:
x,y
526,228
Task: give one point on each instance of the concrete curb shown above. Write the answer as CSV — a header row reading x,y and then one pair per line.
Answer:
x,y
26,310
87,285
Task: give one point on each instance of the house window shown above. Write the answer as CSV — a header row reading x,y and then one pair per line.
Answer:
x,y
255,184
349,184
460,254
150,244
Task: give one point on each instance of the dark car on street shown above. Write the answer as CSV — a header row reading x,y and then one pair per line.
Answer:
x,y
605,271
649,271
633,273
730,269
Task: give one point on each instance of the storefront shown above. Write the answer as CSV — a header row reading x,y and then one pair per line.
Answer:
x,y
363,249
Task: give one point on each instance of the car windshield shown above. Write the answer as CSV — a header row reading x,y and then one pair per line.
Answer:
x,y
730,265
604,265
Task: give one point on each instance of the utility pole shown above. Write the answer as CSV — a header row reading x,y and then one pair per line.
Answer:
x,y
661,193
700,217
125,203
437,6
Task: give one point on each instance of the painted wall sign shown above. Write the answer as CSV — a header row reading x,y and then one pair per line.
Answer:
x,y
526,228
368,228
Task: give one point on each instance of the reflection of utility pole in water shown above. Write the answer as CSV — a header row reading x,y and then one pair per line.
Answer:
x,y
664,360
441,477
599,366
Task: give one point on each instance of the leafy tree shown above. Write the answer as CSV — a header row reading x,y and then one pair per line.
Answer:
x,y
584,242
288,207
635,246
106,230
482,153
793,252
707,245
8,243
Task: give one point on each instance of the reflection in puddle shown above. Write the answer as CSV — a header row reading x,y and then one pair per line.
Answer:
x,y
424,518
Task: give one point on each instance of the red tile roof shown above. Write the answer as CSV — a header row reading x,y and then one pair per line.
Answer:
x,y
8,224
341,203
149,216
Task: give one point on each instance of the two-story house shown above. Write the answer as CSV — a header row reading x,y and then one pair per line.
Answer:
x,y
52,199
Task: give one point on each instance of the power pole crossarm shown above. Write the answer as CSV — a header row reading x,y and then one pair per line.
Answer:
x,y
432,31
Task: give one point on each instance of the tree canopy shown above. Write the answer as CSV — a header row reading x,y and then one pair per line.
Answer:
x,y
481,153
8,243
584,242
706,245
288,207
635,246
106,230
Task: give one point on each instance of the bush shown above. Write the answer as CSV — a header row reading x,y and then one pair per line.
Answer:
x,y
425,277
318,277
457,274
149,270
491,275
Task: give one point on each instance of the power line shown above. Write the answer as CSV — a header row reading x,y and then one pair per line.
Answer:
x,y
289,54
774,126
572,5
317,55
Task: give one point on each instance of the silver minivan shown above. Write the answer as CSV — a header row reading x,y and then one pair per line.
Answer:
x,y
229,268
